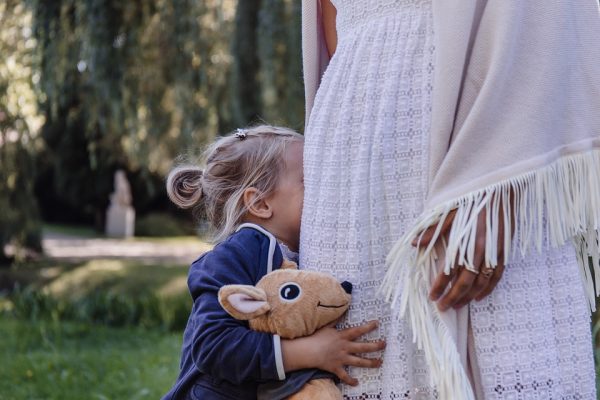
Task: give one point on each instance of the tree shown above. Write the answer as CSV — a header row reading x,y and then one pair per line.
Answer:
x,y
132,84
19,120
246,98
128,85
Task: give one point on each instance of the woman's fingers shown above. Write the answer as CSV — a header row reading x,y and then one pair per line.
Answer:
x,y
424,239
494,279
467,285
441,283
482,282
460,288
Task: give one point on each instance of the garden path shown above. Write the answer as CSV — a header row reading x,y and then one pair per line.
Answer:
x,y
170,250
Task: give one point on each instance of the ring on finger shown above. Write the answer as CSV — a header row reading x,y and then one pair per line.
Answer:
x,y
486,272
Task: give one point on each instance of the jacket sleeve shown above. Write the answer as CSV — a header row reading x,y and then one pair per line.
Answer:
x,y
222,346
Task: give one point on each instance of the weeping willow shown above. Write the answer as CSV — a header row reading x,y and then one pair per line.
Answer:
x,y
132,84
127,85
266,72
19,120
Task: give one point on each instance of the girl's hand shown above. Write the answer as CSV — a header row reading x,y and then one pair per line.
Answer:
x,y
332,350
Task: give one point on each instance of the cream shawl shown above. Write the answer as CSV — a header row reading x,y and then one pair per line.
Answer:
x,y
516,108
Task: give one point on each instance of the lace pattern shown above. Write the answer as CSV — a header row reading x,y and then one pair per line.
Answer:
x,y
366,168
366,173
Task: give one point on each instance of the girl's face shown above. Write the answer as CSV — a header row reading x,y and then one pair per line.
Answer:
x,y
286,200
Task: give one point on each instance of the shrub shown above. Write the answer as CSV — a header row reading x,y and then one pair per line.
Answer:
x,y
161,225
117,310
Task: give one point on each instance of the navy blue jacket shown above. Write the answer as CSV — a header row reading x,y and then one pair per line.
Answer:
x,y
221,357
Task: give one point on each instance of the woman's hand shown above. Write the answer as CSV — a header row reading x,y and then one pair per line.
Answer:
x,y
467,285
332,350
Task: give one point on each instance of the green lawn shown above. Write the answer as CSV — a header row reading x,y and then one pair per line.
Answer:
x,y
54,354
114,292
66,360
121,276
82,231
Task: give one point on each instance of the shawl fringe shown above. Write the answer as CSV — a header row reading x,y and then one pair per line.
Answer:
x,y
562,198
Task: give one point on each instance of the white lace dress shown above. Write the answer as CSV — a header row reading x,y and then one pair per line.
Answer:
x,y
366,168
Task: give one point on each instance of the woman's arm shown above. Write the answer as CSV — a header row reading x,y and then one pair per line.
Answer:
x,y
329,12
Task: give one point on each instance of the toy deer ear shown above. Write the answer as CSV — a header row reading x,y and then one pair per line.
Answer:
x,y
286,264
243,301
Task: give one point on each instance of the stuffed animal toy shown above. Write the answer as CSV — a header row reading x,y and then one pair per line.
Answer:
x,y
291,303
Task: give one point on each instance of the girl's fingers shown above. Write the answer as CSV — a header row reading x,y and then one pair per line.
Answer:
x,y
366,347
357,331
362,362
344,377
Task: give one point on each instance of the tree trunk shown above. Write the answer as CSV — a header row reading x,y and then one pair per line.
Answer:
x,y
246,65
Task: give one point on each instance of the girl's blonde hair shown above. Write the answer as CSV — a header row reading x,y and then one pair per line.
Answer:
x,y
252,157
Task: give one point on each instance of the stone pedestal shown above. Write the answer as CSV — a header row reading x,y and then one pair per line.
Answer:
x,y
120,221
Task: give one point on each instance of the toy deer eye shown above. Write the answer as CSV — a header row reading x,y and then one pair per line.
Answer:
x,y
289,292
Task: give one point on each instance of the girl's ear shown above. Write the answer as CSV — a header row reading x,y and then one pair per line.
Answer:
x,y
260,208
243,301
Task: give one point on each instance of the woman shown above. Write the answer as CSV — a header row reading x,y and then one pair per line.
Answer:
x,y
474,117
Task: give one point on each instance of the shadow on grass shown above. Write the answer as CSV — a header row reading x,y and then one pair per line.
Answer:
x,y
110,292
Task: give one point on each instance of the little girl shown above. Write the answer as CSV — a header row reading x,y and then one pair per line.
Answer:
x,y
251,191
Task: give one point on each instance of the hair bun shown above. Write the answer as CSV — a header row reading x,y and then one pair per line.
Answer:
x,y
184,186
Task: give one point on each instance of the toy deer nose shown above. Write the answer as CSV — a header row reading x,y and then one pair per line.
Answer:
x,y
347,287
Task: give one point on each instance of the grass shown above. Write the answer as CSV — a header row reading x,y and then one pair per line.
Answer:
x,y
118,276
71,230
99,329
113,292
78,336
67,360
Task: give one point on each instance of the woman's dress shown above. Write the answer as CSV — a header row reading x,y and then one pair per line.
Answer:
x,y
366,170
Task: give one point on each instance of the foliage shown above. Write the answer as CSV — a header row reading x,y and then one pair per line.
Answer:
x,y
266,72
19,217
281,70
161,225
105,84
79,231
126,85
72,361
109,292
109,309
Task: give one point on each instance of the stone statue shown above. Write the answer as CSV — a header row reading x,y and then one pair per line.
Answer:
x,y
120,216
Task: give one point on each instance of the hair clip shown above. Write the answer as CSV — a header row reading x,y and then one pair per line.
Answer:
x,y
241,134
